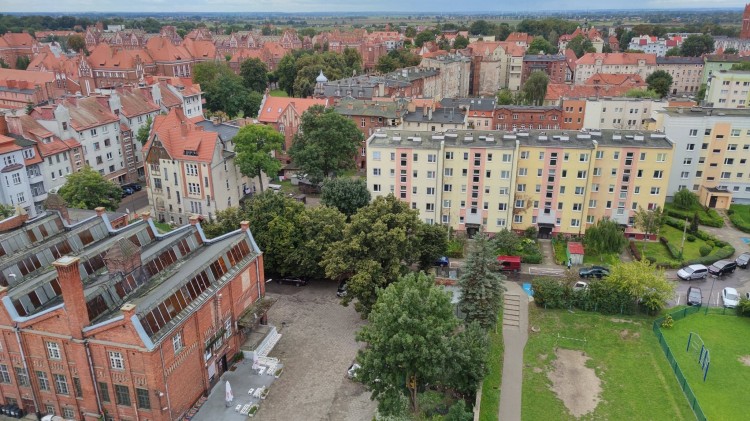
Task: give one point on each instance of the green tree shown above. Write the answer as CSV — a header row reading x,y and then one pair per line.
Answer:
x,y
326,142
433,240
254,74
345,194
6,211
468,361
407,341
505,97
378,245
685,199
605,237
410,32
87,189
481,27
319,228
224,90
649,221
226,220
76,43
255,144
22,62
143,131
744,66
460,42
482,287
386,64
286,72
581,45
731,51
673,52
541,46
535,88
643,282
640,93
659,81
506,242
701,94
697,45
606,49
424,36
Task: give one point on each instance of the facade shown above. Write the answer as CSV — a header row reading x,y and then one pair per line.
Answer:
x,y
16,45
495,65
190,170
745,31
430,118
122,323
592,34
19,88
589,64
654,45
718,62
479,111
15,189
455,72
621,113
558,67
728,89
522,117
712,148
558,181
686,73
284,115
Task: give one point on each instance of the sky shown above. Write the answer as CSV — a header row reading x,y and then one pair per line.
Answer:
x,y
424,6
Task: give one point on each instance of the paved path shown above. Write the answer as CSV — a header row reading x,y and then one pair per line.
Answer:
x,y
546,245
515,334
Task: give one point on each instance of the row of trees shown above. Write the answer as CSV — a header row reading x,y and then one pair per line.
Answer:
x,y
227,92
297,70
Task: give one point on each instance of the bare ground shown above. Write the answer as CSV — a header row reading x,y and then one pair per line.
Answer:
x,y
745,359
575,384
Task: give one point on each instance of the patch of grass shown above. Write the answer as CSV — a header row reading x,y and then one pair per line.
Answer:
x,y
279,93
605,259
163,227
659,251
630,365
490,405
727,380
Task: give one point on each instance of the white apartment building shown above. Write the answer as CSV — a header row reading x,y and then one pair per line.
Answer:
x,y
621,113
15,189
728,89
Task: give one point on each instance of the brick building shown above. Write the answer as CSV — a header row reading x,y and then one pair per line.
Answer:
x,y
15,45
521,117
284,115
19,88
559,67
123,323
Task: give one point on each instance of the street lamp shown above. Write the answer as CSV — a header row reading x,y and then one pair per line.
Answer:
x,y
709,294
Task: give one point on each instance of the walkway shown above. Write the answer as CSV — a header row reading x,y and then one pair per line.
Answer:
x,y
515,334
546,246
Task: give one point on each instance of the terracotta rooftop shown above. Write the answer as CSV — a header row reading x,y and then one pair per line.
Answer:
x,y
8,144
31,78
273,107
46,142
135,102
89,112
630,79
556,91
177,135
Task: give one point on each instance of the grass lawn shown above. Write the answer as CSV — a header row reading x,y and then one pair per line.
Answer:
x,y
605,259
490,405
636,380
279,93
660,252
743,211
163,227
726,384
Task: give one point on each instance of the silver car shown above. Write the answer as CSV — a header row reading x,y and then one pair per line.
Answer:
x,y
729,297
691,272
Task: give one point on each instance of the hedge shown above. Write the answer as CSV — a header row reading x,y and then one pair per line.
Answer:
x,y
739,222
721,253
724,250
552,293
703,235
709,218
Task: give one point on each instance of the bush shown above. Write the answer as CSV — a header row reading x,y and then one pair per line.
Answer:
x,y
718,254
711,243
552,293
531,233
456,247
709,218
691,238
672,248
705,250
668,322
651,259
743,309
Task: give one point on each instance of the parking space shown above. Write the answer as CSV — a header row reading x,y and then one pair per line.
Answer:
x,y
317,346
711,286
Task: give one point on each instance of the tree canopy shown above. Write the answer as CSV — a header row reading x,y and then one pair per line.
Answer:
x,y
424,36
460,42
377,245
397,59
255,144
6,211
143,131
254,74
581,45
482,287
326,142
345,194
696,45
643,282
605,237
685,199
649,221
225,91
659,81
535,88
541,46
87,189
297,70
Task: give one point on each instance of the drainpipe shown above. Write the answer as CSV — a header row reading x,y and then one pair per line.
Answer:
x,y
93,375
17,331
166,384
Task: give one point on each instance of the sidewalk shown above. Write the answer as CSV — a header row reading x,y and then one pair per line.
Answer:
x,y
515,334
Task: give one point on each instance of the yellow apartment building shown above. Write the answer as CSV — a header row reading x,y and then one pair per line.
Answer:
x,y
557,181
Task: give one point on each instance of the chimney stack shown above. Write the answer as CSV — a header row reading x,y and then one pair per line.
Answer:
x,y
245,225
99,211
69,276
146,216
193,220
183,128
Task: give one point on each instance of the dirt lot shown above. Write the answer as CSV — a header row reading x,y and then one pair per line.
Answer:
x,y
317,346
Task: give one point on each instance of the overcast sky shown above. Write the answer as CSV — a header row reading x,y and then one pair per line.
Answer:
x,y
427,6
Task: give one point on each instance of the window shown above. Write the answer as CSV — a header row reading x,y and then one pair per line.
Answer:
x,y
524,154
517,219
685,174
142,398
726,175
431,158
104,392
523,171
599,154
575,222
735,132
43,380
520,203
580,190
732,147
592,203
53,350
430,174
49,409
707,132
116,361
22,377
500,222
584,157
581,174
577,207
448,172
191,169
449,155
376,155
728,161
447,187
77,387
376,171
690,146
4,374
68,413
177,343
521,187
655,190
429,207
376,187
504,174
430,191
693,132
122,395
502,206
658,174
61,384
93,132
194,188
597,171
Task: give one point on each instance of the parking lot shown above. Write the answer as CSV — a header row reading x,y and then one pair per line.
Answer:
x,y
739,280
317,346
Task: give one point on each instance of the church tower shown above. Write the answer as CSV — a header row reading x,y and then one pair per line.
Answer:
x,y
745,32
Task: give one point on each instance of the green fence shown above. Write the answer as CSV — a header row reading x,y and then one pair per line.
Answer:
x,y
692,400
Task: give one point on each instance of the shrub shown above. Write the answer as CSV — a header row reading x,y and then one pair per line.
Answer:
x,y
711,243
531,233
705,250
668,322
672,248
709,218
730,212
718,254
743,309
691,238
738,222
456,247
651,259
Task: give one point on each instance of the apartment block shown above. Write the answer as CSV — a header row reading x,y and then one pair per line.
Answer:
x,y
715,63
728,89
686,73
621,113
557,181
712,148
589,64
14,183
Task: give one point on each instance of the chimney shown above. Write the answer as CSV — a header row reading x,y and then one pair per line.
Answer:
x,y
429,113
99,211
128,311
193,220
146,216
244,225
69,276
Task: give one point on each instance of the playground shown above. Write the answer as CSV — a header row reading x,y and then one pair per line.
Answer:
x,y
728,374
585,365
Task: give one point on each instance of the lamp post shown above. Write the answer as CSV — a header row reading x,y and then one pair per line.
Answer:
x,y
709,294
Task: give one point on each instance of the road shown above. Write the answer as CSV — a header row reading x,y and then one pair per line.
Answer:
x,y
134,202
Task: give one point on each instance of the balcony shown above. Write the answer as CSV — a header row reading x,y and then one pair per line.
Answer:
x,y
473,218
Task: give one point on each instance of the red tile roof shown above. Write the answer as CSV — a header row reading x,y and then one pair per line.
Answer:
x,y
29,128
135,102
8,144
575,248
31,78
273,107
89,112
630,79
556,91
177,134
14,39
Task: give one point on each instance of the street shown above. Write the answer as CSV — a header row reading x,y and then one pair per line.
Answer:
x,y
134,203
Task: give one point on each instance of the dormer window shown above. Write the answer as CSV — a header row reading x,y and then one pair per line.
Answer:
x,y
65,125
190,153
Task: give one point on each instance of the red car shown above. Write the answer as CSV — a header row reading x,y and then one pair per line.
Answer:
x,y
509,263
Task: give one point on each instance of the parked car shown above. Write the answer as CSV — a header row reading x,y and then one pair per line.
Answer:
x,y
509,263
133,186
694,296
292,281
352,371
127,191
443,262
580,286
341,290
593,272
722,267
691,272
729,297
742,260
